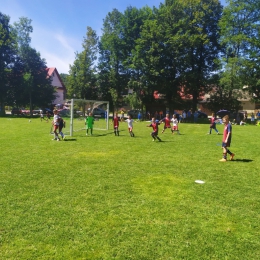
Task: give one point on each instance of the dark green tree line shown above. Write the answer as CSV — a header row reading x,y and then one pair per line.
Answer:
x,y
23,74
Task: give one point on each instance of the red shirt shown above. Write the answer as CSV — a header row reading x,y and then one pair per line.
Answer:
x,y
167,122
116,121
227,129
212,120
155,127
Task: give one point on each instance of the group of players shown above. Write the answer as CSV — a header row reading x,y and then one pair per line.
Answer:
x,y
226,141
154,124
59,124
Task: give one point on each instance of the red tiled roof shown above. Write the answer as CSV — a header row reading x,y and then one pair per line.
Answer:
x,y
181,93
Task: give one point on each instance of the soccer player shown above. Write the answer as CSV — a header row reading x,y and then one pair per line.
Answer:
x,y
167,122
226,141
42,116
56,122
130,125
175,124
62,124
89,123
155,126
116,124
213,124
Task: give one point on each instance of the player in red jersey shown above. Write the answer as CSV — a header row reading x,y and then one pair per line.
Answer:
x,y
213,124
167,122
226,141
155,127
116,124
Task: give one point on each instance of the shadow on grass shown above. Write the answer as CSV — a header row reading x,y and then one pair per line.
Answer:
x,y
165,141
69,140
97,135
242,160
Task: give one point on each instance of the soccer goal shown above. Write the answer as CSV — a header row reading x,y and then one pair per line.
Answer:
x,y
81,108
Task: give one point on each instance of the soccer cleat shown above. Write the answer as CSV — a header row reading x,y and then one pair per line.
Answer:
x,y
54,139
58,139
218,133
64,137
223,160
232,157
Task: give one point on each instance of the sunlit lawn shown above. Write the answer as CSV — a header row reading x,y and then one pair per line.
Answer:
x,y
108,197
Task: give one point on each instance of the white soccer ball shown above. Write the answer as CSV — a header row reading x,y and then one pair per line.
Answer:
x,y
29,121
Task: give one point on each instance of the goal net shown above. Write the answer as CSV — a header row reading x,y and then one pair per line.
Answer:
x,y
81,108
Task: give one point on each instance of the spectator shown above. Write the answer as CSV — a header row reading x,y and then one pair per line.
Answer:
x,y
184,116
196,114
245,116
161,114
252,118
189,116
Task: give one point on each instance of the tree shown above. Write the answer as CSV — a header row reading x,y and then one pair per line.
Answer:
x,y
157,54
240,31
8,59
112,73
82,79
132,22
36,86
199,35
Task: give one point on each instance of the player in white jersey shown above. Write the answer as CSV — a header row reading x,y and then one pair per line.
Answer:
x,y
130,125
175,124
56,122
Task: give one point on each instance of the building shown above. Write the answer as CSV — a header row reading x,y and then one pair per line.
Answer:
x,y
58,85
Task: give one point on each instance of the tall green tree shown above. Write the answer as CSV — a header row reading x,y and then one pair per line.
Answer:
x,y
82,79
178,48
240,38
199,35
133,20
157,54
112,72
8,59
36,90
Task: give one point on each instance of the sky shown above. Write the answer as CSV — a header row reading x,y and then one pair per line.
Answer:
x,y
59,26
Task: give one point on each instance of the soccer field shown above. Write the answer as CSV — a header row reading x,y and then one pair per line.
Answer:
x,y
122,197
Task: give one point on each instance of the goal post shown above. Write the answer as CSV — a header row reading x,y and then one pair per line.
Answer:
x,y
80,108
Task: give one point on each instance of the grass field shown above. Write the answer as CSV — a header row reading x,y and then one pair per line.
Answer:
x,y
108,197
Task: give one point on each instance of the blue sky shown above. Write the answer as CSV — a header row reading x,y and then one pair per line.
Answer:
x,y
60,25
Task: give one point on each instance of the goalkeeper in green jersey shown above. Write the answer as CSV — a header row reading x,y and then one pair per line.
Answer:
x,y
89,123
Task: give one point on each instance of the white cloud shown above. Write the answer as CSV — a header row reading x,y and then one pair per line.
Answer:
x,y
64,42
62,65
56,48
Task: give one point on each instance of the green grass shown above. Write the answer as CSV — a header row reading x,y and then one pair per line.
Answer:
x,y
107,197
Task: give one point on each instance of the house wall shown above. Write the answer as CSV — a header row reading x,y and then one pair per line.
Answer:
x,y
59,97
59,92
248,106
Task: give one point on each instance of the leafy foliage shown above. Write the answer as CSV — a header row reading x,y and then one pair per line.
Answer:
x,y
82,80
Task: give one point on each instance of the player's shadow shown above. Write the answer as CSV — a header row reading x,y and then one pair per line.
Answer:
x,y
166,141
105,134
242,160
70,140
